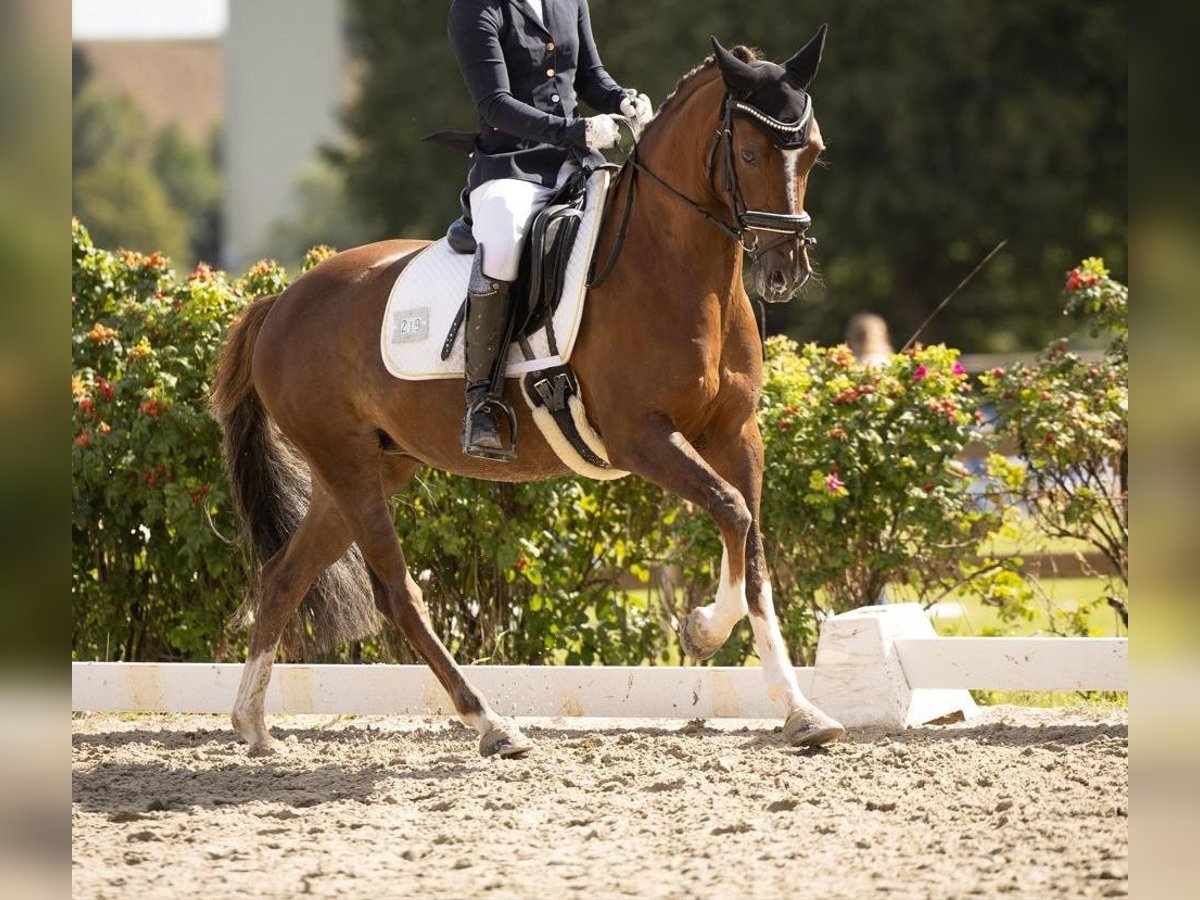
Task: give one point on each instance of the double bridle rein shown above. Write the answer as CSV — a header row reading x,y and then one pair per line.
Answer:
x,y
792,228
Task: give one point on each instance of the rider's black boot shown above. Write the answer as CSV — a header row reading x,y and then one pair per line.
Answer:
x,y
487,314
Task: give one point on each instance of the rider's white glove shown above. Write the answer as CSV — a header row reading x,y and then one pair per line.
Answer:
x,y
602,132
637,109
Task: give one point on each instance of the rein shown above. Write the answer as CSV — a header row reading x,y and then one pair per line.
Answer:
x,y
792,227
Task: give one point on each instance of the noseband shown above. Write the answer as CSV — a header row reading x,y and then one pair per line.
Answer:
x,y
746,221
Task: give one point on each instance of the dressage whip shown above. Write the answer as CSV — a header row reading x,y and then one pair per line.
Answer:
x,y
962,284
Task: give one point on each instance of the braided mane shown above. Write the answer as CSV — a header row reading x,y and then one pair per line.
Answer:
x,y
689,81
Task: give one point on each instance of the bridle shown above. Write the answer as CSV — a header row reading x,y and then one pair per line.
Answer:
x,y
746,221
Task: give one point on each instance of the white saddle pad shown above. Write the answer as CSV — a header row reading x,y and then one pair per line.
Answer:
x,y
427,295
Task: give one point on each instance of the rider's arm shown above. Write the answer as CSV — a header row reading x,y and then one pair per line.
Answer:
x,y
475,35
592,81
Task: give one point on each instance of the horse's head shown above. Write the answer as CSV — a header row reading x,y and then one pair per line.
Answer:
x,y
767,144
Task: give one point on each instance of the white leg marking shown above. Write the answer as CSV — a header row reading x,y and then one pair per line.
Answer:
x,y
484,722
773,654
248,718
791,160
718,619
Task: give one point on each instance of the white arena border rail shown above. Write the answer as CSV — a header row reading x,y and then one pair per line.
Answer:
x,y
880,666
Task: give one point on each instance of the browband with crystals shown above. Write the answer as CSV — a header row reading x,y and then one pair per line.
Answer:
x,y
792,133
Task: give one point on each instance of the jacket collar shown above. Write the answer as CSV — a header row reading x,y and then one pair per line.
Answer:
x,y
548,13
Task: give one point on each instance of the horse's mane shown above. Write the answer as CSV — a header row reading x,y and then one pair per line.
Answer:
x,y
689,81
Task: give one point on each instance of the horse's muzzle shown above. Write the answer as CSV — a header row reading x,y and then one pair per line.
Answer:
x,y
782,271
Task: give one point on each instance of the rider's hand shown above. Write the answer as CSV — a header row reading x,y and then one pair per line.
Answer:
x,y
637,109
602,132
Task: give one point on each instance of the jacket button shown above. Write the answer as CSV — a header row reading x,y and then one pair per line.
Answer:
x,y
554,98
550,46
549,73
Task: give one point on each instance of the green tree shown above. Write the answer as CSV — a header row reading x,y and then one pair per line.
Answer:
x,y
189,175
139,188
104,126
125,205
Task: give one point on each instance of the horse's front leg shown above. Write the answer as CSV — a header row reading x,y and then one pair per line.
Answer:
x,y
740,460
659,453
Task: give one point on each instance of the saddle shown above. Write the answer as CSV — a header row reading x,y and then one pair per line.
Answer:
x,y
543,267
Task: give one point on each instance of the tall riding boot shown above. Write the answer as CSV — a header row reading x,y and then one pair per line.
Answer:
x,y
487,314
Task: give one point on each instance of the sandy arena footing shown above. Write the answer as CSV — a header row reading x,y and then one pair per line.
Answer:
x,y
1030,802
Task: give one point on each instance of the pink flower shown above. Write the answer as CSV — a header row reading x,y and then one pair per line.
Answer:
x,y
958,369
833,484
920,372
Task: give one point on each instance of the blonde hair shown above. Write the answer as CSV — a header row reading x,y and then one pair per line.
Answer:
x,y
867,337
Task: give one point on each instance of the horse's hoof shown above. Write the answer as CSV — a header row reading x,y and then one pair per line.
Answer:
x,y
688,639
507,742
267,747
811,728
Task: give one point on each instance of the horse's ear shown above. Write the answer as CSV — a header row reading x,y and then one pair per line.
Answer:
x,y
739,77
802,67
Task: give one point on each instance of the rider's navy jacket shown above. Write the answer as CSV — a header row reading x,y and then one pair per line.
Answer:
x,y
523,76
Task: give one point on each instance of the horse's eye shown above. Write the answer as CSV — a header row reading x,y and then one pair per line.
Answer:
x,y
748,156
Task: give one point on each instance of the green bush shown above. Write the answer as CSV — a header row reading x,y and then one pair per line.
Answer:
x,y
862,490
152,575
1069,420
866,486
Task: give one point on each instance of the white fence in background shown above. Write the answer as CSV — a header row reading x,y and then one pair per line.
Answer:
x,y
880,666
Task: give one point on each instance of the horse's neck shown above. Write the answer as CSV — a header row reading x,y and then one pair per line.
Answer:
x,y
685,250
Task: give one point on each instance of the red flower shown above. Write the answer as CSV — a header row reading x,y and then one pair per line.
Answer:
x,y
928,487
87,405
1077,278
83,440
833,484
153,408
105,389
784,425
998,372
522,563
920,372
958,370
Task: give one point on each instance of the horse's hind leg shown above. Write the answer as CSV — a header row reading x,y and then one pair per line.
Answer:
x,y
319,541
398,597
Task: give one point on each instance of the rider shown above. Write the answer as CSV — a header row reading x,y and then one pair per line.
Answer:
x,y
523,61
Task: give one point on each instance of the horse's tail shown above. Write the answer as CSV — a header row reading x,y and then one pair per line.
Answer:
x,y
271,487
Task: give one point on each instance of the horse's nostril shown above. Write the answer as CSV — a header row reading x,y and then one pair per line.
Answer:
x,y
778,280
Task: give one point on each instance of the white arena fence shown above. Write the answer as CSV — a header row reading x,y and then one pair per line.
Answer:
x,y
880,666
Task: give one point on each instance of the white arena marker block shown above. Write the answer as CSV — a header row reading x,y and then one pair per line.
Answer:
x,y
859,677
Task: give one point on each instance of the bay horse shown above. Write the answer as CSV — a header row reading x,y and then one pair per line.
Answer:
x,y
725,164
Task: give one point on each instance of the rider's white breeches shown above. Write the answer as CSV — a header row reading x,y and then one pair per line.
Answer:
x,y
501,212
